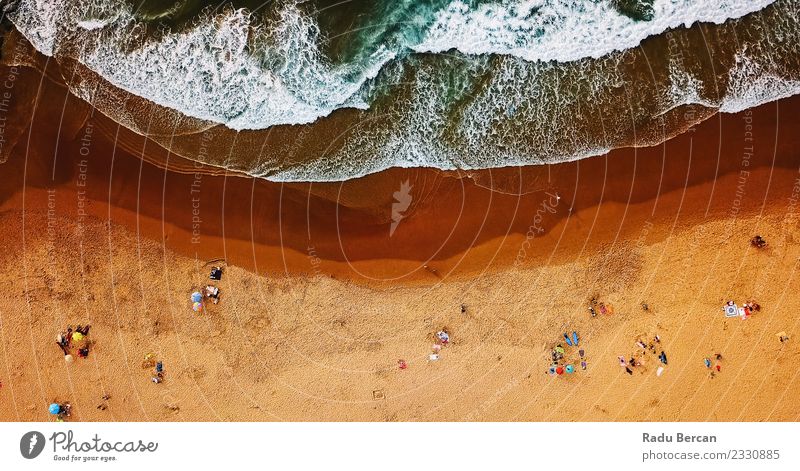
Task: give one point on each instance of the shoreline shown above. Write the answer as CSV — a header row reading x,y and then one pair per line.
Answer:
x,y
454,224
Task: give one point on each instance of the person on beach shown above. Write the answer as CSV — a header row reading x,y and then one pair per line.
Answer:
x,y
758,242
63,342
663,357
213,293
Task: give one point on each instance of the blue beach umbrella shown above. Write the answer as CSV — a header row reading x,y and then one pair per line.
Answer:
x,y
197,297
54,408
570,368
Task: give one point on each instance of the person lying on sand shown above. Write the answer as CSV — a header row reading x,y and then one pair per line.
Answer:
x,y
212,292
63,347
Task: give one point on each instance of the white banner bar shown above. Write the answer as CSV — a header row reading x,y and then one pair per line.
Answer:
x,y
400,446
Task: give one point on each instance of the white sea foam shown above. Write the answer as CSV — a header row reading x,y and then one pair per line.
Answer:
x,y
230,69
226,69
751,84
565,30
90,25
38,20
214,72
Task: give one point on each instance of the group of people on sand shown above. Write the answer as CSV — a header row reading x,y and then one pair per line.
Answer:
x,y
158,368
211,291
744,311
74,340
717,364
559,363
440,339
62,411
596,306
637,360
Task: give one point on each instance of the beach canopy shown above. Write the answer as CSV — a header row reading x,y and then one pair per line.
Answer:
x,y
54,408
197,297
197,307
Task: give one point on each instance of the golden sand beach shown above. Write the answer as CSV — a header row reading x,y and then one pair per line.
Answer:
x,y
319,301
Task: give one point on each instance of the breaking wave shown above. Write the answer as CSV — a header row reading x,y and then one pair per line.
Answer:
x,y
447,84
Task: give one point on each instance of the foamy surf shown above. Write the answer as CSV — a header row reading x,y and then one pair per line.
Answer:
x,y
445,84
566,30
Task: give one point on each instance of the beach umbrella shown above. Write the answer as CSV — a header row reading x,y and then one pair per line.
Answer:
x,y
197,297
560,370
77,336
68,358
570,369
54,408
197,307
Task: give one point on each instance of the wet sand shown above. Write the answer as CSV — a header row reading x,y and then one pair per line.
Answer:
x,y
320,301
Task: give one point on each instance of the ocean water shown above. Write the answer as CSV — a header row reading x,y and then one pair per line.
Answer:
x,y
326,90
